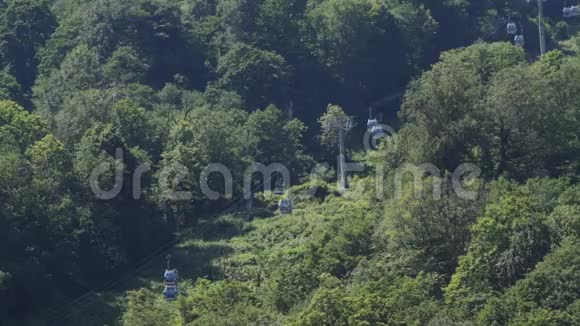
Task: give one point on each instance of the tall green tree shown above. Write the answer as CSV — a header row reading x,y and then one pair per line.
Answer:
x,y
25,25
259,76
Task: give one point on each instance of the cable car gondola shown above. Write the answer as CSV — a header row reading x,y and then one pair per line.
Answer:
x,y
519,40
374,127
372,121
285,206
511,28
170,278
170,292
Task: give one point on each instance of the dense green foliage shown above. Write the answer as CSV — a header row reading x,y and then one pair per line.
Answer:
x,y
150,92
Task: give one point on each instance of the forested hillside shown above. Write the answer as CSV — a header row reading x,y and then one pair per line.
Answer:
x,y
468,213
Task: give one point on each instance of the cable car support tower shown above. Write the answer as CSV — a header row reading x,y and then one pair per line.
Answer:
x,y
343,125
541,28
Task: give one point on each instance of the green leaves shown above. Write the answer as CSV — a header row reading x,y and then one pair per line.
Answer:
x,y
24,28
334,119
125,67
259,76
547,296
389,300
9,88
482,104
509,239
49,154
177,85
19,126
148,308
